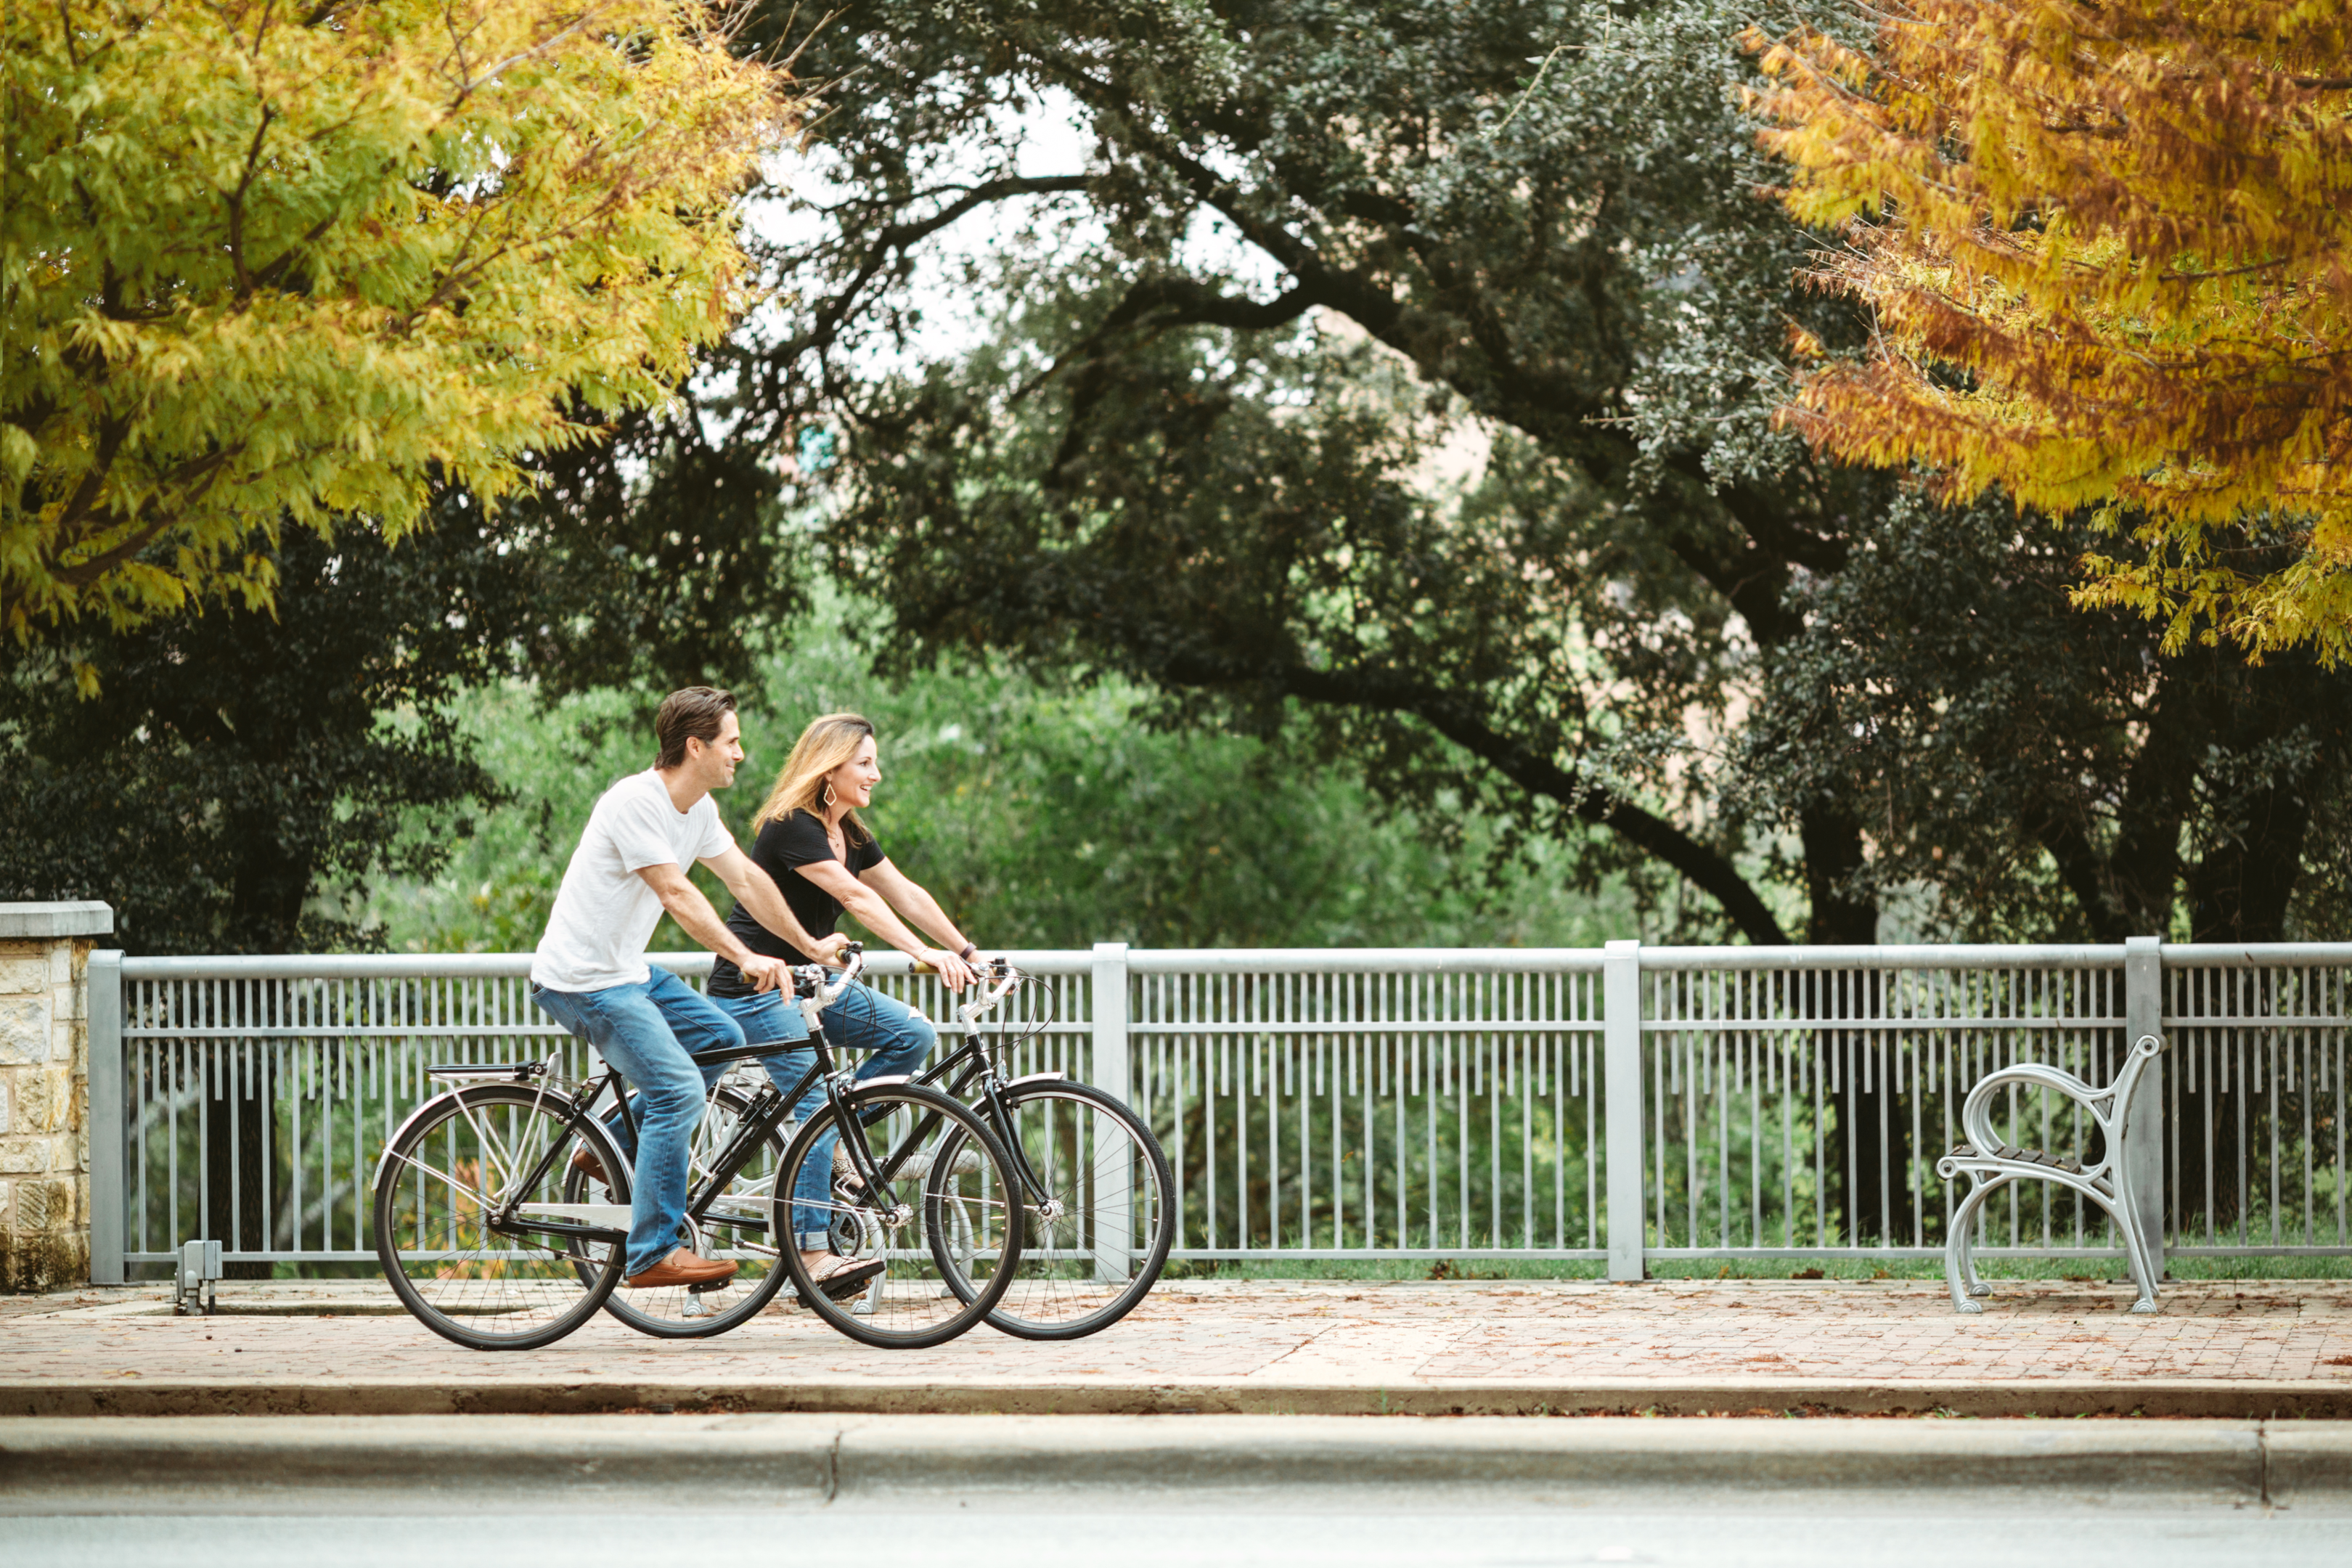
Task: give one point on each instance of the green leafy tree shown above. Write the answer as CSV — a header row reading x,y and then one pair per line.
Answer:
x,y
1192,463
1299,249
264,266
1042,815
243,774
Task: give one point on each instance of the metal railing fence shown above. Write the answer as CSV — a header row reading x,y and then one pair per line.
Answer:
x,y
1622,1105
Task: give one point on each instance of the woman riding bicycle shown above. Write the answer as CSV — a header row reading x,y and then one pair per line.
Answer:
x,y
825,859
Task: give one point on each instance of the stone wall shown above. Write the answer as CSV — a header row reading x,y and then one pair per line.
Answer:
x,y
45,1092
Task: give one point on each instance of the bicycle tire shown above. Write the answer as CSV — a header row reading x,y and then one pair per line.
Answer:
x,y
1061,1291
907,1308
453,1275
674,1311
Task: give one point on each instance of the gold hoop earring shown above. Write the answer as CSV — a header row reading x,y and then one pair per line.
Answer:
x,y
828,796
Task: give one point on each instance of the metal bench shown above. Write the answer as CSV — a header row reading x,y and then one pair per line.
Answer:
x,y
1993,1164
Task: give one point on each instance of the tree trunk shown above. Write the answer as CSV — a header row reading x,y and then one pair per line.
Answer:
x,y
241,1103
239,1154
1867,1146
2238,892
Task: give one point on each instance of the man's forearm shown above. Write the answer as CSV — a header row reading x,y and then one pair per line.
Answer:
x,y
696,916
760,895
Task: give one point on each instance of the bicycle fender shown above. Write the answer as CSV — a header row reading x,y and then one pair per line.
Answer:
x,y
400,1131
392,1142
1055,1076
891,1080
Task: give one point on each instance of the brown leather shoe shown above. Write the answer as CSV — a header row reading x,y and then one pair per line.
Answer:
x,y
584,1162
681,1267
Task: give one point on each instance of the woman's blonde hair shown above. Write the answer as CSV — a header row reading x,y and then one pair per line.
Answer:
x,y
827,742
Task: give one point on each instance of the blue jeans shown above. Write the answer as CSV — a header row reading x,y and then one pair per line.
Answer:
x,y
646,1031
863,1021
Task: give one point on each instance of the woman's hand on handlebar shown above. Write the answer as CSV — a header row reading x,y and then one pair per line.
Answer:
x,y
954,972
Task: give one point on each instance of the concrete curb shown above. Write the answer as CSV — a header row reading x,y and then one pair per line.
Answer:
x,y
789,1461
2207,1399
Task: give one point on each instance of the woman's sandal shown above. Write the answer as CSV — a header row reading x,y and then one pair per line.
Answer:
x,y
848,1277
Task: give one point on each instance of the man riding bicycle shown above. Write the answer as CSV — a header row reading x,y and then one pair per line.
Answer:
x,y
590,973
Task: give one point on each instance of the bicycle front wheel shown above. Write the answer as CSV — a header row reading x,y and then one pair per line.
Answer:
x,y
920,1202
461,1189
1099,1221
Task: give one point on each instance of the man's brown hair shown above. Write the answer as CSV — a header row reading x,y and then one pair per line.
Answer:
x,y
692,715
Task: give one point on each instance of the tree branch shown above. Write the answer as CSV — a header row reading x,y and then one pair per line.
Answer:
x,y
1702,867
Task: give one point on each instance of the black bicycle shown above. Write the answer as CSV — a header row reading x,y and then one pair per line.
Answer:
x,y
492,1228
1096,1195
1097,1201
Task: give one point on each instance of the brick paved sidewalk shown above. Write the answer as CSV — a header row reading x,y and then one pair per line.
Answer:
x,y
2044,1347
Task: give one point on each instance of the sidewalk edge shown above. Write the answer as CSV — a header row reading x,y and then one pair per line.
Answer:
x,y
2209,1398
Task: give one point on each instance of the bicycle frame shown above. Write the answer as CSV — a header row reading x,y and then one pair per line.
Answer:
x,y
982,1067
502,1220
770,1107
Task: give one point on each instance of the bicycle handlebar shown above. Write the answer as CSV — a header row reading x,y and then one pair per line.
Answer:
x,y
1005,979
819,984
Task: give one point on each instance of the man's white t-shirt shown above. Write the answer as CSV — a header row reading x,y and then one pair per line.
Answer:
x,y
605,913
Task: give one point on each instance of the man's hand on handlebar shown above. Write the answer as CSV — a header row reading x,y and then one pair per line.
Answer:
x,y
829,948
767,973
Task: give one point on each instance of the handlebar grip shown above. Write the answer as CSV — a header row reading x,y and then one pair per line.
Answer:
x,y
927,969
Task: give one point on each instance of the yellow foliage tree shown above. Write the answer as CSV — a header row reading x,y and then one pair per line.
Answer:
x,y
270,265
2108,248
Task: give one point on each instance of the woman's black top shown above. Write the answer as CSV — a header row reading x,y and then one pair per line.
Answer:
x,y
785,844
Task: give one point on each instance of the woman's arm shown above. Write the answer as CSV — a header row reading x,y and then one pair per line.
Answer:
x,y
757,891
868,905
912,900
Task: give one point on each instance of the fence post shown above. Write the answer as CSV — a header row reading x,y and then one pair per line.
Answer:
x,y
107,1127
1620,1078
1114,1239
2145,1117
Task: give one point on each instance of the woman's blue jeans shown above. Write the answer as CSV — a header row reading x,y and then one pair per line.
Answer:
x,y
645,1031
864,1021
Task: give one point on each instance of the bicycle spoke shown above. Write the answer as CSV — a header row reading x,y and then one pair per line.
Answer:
x,y
480,1286
1095,1241
735,1227
905,1227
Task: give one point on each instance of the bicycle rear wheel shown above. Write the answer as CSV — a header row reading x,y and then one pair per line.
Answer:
x,y
1095,1242
903,1127
466,1157
737,1227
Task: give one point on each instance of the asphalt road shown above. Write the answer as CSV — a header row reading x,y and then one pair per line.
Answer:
x,y
1098,1530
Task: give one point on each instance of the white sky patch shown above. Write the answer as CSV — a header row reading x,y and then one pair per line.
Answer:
x,y
1051,137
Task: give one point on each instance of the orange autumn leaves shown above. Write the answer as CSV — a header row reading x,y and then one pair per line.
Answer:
x,y
2108,253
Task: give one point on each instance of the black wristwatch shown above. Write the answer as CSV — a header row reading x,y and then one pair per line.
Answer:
x,y
969,948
